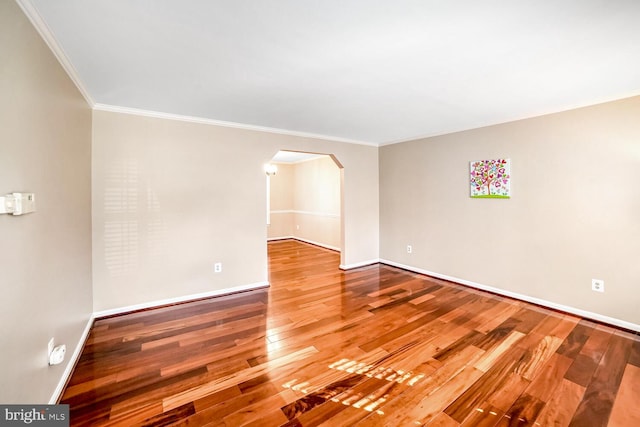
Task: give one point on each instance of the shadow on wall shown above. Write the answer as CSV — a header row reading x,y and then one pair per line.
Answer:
x,y
125,197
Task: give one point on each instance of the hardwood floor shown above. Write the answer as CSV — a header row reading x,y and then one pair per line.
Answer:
x,y
376,346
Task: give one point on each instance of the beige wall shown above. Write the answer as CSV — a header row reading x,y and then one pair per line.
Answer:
x,y
282,187
281,202
171,198
574,214
45,257
305,200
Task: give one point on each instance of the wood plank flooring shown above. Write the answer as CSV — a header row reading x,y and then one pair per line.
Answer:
x,y
375,346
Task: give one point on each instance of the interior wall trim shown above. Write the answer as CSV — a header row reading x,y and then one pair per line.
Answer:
x,y
71,363
66,375
48,37
275,239
291,211
300,239
359,264
323,245
176,300
202,120
522,297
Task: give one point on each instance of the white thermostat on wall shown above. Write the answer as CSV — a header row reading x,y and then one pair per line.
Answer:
x,y
18,203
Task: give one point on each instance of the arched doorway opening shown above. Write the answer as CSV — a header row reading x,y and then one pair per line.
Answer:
x,y
305,199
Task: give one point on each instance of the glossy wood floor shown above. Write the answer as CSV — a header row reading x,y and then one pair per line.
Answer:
x,y
376,346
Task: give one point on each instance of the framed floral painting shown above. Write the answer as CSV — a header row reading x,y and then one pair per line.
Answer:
x,y
490,179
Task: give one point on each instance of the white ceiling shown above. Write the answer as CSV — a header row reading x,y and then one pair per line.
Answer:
x,y
294,157
372,71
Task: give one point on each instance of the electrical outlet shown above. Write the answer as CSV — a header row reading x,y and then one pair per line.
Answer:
x,y
409,249
217,267
597,285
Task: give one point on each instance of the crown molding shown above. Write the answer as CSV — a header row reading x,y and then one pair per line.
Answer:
x,y
533,115
46,34
193,119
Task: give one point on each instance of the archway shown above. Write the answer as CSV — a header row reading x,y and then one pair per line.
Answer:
x,y
305,199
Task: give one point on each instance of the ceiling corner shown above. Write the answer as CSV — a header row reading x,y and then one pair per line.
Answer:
x,y
43,29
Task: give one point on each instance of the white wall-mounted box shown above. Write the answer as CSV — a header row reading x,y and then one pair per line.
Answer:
x,y
18,203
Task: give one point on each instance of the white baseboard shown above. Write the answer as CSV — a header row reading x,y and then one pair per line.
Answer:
x,y
565,308
322,245
98,314
333,248
71,364
185,298
275,239
359,264
80,345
